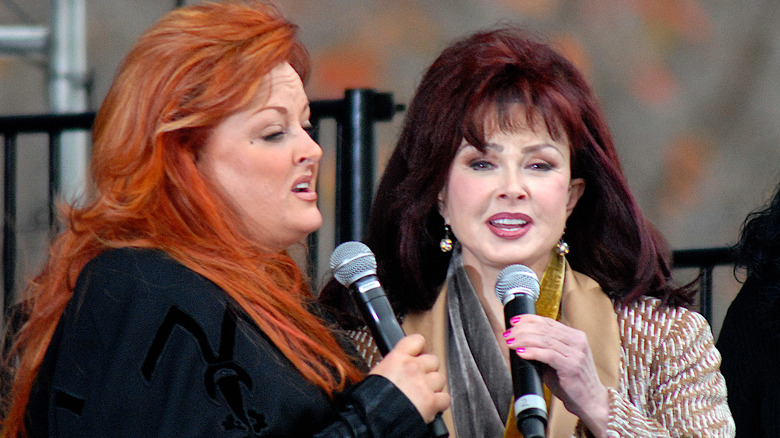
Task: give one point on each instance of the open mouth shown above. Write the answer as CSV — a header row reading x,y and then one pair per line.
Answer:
x,y
508,224
302,187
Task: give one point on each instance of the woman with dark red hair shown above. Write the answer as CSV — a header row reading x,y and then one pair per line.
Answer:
x,y
169,305
505,158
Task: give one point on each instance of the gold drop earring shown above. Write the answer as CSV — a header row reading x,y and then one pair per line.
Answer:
x,y
446,242
561,248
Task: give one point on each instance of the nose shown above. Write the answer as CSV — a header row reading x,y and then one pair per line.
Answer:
x,y
308,151
512,185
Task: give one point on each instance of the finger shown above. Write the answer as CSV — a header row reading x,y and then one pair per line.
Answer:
x,y
527,318
412,345
428,362
546,332
441,401
532,325
564,360
435,381
531,340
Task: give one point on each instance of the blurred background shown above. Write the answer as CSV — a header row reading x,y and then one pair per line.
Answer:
x,y
690,89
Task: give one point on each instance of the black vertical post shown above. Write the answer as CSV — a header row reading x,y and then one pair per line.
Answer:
x,y
705,292
9,224
354,165
54,179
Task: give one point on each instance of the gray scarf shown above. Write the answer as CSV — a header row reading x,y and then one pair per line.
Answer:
x,y
480,383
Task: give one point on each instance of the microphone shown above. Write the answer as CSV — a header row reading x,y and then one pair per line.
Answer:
x,y
354,266
518,288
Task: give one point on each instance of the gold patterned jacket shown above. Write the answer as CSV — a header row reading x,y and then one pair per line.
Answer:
x,y
659,364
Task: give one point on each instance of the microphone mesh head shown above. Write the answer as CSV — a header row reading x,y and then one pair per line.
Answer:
x,y
514,280
352,261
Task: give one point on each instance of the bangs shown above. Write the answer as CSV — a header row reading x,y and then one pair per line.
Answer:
x,y
516,108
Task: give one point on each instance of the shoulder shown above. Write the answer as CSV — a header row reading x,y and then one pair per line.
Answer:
x,y
133,287
138,273
143,264
667,339
646,313
754,314
756,294
653,315
581,281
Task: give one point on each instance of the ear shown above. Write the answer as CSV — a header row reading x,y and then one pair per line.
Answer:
x,y
442,205
576,189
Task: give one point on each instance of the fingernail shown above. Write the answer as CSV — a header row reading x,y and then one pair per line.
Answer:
x,y
520,350
510,341
514,319
507,333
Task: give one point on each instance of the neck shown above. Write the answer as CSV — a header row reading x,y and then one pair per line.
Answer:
x,y
484,283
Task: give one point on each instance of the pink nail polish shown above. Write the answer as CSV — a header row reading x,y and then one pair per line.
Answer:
x,y
507,333
520,350
510,341
514,319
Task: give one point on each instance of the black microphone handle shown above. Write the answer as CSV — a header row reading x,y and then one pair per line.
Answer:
x,y
530,407
378,314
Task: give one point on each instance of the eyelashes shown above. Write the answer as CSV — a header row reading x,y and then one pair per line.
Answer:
x,y
482,165
274,136
278,135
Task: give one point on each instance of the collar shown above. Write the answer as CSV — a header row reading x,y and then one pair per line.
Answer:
x,y
586,307
583,306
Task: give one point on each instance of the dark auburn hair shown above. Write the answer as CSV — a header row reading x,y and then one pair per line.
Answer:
x,y
476,78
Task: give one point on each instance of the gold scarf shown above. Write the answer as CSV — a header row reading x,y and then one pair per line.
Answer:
x,y
549,305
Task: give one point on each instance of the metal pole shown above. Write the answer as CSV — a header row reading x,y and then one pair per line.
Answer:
x,y
23,40
9,222
355,166
68,91
54,180
705,292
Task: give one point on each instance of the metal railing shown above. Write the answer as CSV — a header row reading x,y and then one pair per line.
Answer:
x,y
355,115
705,260
10,128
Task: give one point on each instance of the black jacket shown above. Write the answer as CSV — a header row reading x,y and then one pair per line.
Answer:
x,y
749,342
147,347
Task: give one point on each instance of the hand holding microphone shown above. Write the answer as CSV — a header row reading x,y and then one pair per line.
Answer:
x,y
518,288
569,371
354,266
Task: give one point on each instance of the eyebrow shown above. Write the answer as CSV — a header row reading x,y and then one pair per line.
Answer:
x,y
526,149
282,109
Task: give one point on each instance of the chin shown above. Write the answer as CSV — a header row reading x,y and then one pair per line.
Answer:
x,y
505,260
309,227
314,224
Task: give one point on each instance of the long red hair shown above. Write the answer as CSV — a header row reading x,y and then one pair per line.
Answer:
x,y
185,74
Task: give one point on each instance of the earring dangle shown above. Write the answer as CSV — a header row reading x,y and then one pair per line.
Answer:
x,y
561,248
446,242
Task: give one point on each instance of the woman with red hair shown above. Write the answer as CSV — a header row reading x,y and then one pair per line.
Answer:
x,y
505,158
169,305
